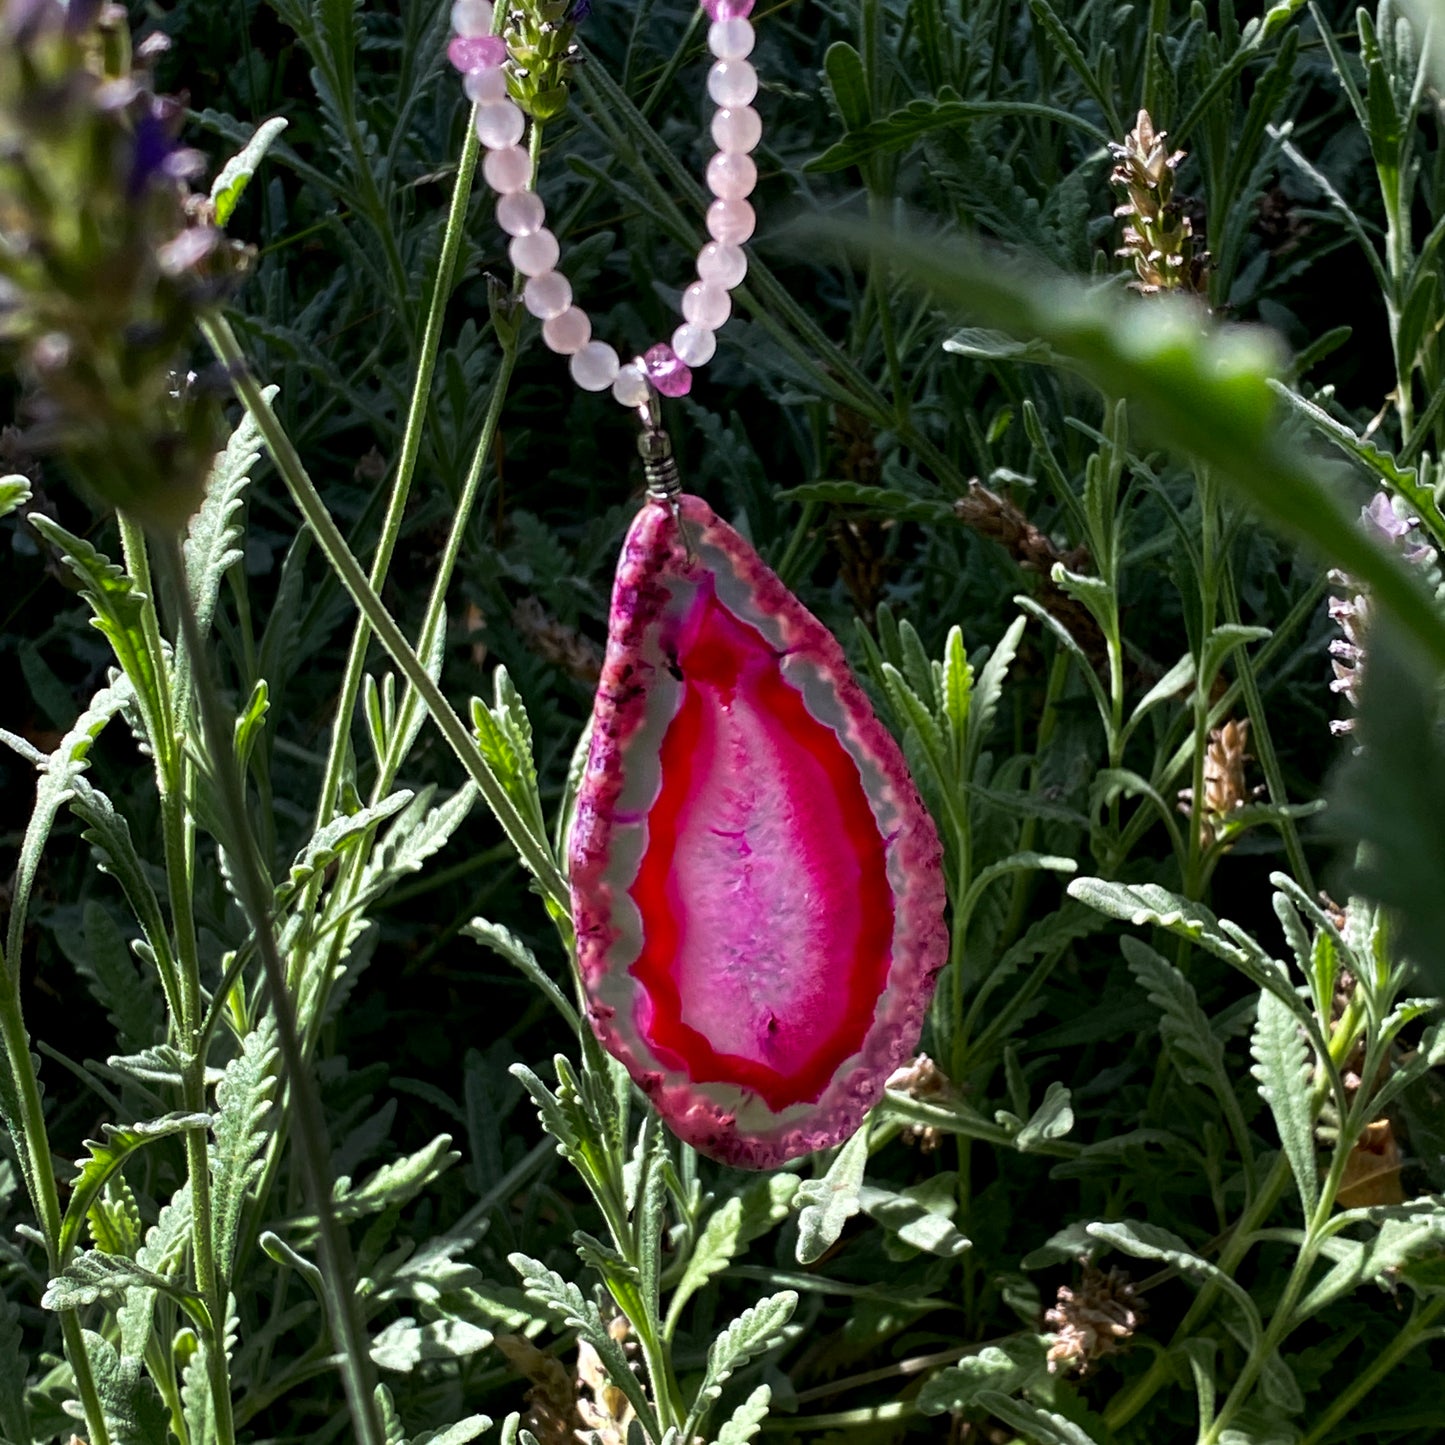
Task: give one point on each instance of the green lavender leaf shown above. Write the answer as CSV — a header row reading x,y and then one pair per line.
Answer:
x,y
1282,1066
243,1107
747,1419
1193,1046
118,608
14,492
132,1408
404,1344
233,177
102,958
920,1217
418,832
93,1276
730,1228
1053,1119
753,1333
14,1367
1404,1234
825,1205
458,1434
568,1304
1034,1421
339,836
395,1183
503,942
106,1156
1004,1369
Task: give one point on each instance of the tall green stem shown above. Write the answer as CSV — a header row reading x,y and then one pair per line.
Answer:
x,y
313,1150
405,470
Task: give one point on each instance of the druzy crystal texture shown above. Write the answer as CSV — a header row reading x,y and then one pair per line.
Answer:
x,y
756,886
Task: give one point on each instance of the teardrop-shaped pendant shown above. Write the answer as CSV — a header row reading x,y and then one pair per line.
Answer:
x,y
757,889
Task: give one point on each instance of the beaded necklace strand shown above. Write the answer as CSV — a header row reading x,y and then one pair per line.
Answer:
x,y
666,368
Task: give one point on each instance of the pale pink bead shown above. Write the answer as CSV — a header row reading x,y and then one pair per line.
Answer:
x,y
727,9
485,87
730,222
519,213
695,345
732,82
507,170
731,39
706,305
595,367
472,17
547,294
477,52
724,266
533,254
731,176
738,129
568,333
500,125
632,387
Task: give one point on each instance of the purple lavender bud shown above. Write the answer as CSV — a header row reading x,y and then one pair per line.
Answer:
x,y
153,148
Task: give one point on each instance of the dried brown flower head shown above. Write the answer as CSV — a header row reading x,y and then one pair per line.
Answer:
x,y
1225,790
1094,1320
1158,236
921,1078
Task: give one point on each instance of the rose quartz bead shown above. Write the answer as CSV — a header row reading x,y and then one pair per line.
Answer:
x,y
731,39
568,333
595,367
472,17
695,345
706,305
724,266
507,170
500,125
731,177
547,294
519,213
533,254
667,370
729,222
485,87
732,82
727,9
477,52
738,129
632,387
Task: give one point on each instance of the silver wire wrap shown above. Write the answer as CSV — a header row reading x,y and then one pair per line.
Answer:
x,y
659,468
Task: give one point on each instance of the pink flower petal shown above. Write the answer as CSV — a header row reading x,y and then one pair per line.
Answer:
x,y
757,889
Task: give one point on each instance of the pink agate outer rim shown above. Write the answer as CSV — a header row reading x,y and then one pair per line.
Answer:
x,y
726,1121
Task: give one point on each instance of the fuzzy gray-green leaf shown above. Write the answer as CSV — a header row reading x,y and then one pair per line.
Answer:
x,y
1282,1066
825,1205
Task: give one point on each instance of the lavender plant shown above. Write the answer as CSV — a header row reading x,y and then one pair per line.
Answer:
x,y
1164,1168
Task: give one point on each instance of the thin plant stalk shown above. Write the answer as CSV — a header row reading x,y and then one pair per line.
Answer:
x,y
178,842
313,1150
34,1152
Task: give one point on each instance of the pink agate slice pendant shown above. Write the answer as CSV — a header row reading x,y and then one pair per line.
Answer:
x,y
756,886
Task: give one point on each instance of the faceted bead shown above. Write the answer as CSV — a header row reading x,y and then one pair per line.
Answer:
x,y
508,170
728,222
695,345
737,129
568,333
727,9
706,305
477,52
732,82
595,367
547,294
632,387
669,373
472,17
731,176
724,266
520,213
500,125
731,39
533,254
485,87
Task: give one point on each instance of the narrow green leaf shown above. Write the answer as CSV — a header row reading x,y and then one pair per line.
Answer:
x,y
1038,1424
14,492
825,1205
243,1107
753,1333
747,1419
93,1276
1282,1066
1005,1369
233,178
404,1344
